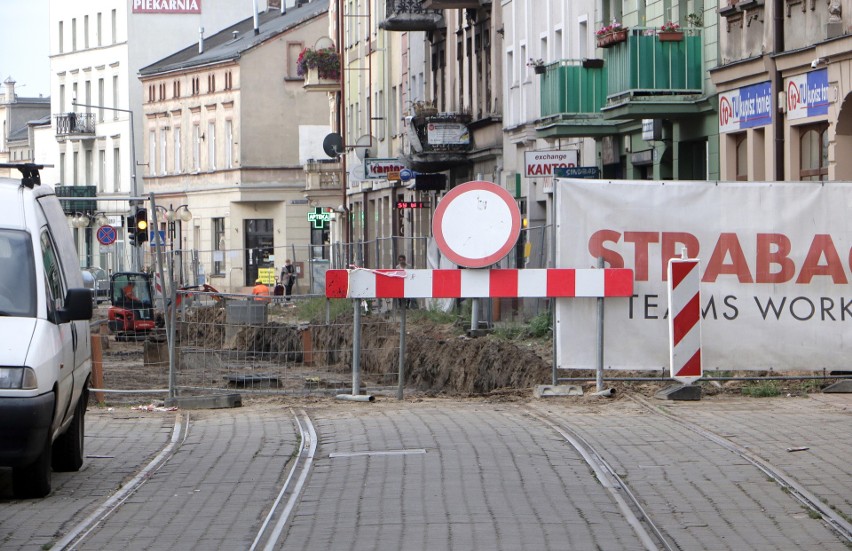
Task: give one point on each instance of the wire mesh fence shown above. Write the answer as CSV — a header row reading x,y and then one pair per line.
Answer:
x,y
262,345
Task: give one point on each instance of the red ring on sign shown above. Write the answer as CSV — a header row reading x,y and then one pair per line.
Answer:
x,y
503,250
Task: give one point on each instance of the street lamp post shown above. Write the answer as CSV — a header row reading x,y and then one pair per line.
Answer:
x,y
171,215
134,187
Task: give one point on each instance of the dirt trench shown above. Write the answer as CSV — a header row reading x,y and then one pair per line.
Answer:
x,y
437,360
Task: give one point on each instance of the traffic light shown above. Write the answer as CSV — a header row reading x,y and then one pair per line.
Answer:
x,y
141,225
131,227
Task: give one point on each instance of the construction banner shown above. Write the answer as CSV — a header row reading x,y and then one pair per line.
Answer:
x,y
776,266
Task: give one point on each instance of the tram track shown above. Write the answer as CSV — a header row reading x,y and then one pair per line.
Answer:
x,y
651,536
78,534
810,501
276,520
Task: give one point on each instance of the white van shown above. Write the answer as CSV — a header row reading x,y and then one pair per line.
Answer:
x,y
45,347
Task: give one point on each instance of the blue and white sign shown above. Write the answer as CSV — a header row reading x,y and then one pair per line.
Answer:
x,y
807,94
406,174
746,107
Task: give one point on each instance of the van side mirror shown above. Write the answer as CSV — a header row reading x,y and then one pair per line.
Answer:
x,y
78,306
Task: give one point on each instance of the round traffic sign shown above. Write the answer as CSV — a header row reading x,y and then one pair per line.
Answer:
x,y
476,224
106,235
406,174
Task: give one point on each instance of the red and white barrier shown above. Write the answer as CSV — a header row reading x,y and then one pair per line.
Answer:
x,y
455,283
684,320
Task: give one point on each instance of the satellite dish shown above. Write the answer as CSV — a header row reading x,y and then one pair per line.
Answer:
x,y
333,145
323,43
366,147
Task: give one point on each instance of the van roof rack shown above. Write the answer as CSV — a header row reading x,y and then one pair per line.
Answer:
x,y
31,176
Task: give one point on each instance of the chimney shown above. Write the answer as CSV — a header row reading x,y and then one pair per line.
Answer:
x,y
200,40
10,90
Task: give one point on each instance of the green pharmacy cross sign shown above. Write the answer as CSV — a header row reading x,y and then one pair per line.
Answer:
x,y
320,217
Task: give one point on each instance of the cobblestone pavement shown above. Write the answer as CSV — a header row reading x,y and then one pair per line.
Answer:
x,y
703,495
452,474
118,443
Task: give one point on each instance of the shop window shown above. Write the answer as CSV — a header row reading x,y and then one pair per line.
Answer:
x,y
813,153
742,157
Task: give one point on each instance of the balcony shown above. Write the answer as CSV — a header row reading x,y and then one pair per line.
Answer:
x,y
323,178
81,125
411,15
648,76
573,92
438,142
451,4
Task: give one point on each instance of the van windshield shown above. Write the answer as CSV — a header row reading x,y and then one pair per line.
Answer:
x,y
17,274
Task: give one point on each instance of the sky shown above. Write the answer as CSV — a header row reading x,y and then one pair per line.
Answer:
x,y
25,46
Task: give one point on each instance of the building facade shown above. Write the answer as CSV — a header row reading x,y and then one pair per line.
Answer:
x,y
228,129
783,81
96,49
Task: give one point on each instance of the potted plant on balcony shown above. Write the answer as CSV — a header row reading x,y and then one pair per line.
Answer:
x,y
611,34
670,32
321,64
537,65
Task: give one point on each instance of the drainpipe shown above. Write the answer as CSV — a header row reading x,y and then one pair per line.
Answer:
x,y
778,86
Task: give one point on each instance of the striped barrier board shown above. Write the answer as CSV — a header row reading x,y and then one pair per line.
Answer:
x,y
684,320
479,283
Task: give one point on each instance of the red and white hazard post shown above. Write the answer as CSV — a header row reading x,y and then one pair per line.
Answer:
x,y
684,320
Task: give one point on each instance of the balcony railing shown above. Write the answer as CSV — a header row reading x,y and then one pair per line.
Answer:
x,y
410,15
75,124
323,175
569,87
645,64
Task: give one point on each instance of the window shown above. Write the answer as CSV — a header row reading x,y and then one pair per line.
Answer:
x,y
163,151
293,51
116,169
61,99
86,32
89,167
52,276
115,96
196,86
101,99
74,35
177,165
813,153
114,27
61,37
101,170
152,153
218,238
196,147
229,81
229,144
742,157
75,169
211,84
211,145
62,169
99,29
393,112
176,89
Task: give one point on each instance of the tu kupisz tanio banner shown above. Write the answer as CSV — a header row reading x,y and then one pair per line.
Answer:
x,y
775,260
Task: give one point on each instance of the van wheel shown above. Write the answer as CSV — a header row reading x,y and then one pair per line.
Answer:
x,y
68,448
33,480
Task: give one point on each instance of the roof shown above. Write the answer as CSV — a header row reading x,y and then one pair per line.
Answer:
x,y
222,46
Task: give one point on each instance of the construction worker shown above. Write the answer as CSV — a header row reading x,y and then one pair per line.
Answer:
x,y
260,290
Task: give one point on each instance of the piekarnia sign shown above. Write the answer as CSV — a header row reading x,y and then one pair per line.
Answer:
x,y
775,261
166,6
